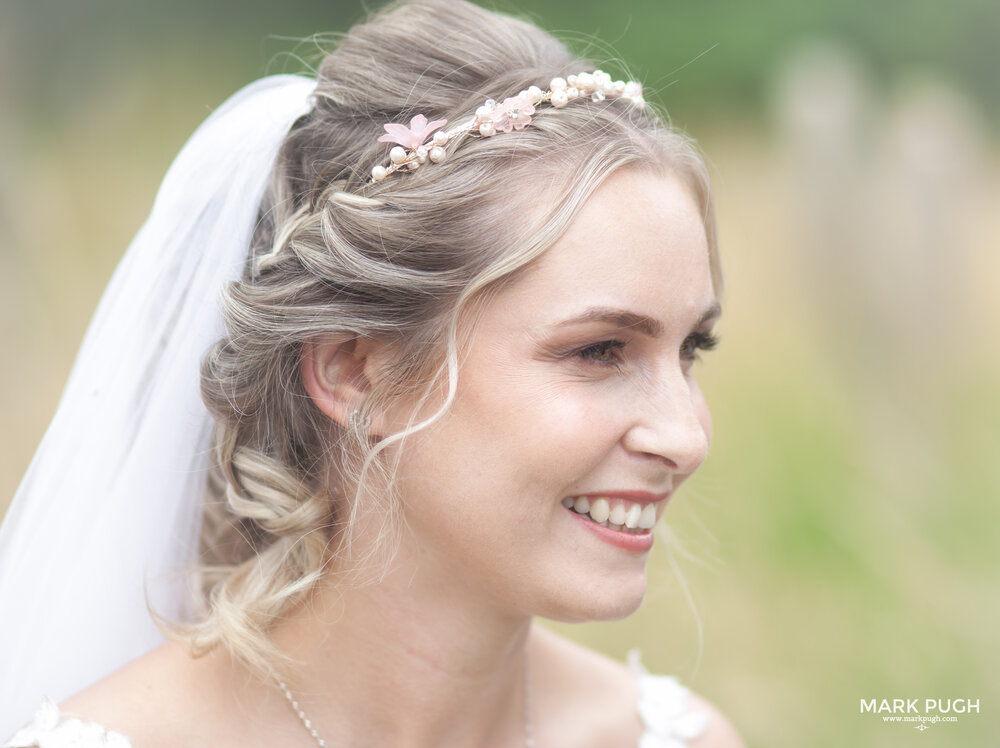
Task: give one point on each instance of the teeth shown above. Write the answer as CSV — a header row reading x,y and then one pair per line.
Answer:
x,y
648,517
632,516
600,510
622,516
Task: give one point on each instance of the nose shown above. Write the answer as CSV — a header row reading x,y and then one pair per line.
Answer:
x,y
672,425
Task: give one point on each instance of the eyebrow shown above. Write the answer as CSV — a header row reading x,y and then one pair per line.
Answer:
x,y
631,320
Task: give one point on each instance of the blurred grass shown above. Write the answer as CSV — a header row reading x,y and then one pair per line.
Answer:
x,y
843,533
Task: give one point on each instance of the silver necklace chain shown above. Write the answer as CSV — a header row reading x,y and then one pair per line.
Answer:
x,y
529,740
302,715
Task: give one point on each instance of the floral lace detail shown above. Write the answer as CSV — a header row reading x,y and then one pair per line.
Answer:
x,y
50,730
663,707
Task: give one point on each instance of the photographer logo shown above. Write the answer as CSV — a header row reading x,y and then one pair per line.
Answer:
x,y
919,713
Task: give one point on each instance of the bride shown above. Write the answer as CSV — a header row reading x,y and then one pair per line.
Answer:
x,y
465,278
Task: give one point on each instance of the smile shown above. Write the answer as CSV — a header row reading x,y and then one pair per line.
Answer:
x,y
616,514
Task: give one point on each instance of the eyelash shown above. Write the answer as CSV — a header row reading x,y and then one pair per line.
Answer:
x,y
698,341
590,352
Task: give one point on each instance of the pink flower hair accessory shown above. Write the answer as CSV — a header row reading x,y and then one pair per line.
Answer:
x,y
413,136
513,113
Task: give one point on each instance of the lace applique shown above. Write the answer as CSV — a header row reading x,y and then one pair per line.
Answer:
x,y
663,706
50,730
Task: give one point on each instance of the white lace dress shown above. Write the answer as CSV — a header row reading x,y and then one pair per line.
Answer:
x,y
663,706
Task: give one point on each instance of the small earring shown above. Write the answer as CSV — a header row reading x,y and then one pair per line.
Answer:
x,y
357,422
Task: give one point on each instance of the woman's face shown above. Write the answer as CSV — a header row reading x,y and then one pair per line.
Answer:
x,y
576,387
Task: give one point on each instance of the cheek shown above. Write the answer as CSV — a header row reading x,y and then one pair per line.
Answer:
x,y
514,437
563,427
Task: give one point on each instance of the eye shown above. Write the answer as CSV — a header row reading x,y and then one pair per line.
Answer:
x,y
697,341
608,352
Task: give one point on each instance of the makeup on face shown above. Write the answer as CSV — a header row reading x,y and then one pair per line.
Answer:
x,y
576,415
624,519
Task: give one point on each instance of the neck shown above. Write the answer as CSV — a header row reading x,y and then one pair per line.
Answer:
x,y
415,660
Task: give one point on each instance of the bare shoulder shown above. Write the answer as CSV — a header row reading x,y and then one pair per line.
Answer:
x,y
719,732
570,679
139,699
164,698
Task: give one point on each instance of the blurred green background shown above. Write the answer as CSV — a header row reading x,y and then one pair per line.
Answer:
x,y
841,542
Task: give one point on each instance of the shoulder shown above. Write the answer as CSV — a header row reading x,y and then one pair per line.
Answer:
x,y
636,708
582,698
673,715
168,698
718,732
164,698
131,699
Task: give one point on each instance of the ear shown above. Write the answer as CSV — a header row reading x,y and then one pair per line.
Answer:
x,y
337,374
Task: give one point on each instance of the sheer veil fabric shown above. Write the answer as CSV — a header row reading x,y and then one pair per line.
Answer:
x,y
107,515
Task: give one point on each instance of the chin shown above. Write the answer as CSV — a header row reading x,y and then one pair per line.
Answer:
x,y
612,600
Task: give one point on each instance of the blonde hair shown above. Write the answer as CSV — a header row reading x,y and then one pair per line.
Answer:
x,y
395,262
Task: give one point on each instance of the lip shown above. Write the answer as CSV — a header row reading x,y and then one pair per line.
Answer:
x,y
634,542
639,497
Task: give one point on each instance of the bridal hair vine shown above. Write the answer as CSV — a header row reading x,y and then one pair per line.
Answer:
x,y
424,141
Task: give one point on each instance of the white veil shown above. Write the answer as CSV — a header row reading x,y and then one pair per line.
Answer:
x,y
109,509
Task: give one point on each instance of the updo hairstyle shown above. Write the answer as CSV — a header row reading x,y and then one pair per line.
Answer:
x,y
399,262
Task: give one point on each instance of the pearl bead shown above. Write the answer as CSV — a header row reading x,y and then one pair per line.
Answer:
x,y
597,85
